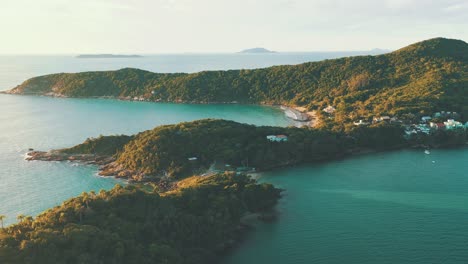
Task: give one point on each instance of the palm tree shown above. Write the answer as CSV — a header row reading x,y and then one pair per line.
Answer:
x,y
102,193
81,209
85,198
20,217
29,219
2,217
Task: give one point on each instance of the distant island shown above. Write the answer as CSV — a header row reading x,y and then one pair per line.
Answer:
x,y
257,50
106,56
378,51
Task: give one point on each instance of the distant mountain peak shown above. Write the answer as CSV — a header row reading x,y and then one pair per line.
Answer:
x,y
257,50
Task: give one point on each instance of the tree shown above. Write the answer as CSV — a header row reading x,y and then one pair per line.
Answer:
x,y
20,217
80,209
131,225
85,197
358,81
2,217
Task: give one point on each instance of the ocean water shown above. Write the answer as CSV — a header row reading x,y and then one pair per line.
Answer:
x,y
46,123
398,207
43,123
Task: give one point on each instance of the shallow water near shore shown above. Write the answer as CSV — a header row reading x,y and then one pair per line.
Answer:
x,y
46,123
396,207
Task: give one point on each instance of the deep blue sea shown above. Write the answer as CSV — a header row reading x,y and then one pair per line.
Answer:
x,y
396,207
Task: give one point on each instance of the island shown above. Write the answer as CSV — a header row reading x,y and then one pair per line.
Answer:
x,y
257,50
189,194
106,56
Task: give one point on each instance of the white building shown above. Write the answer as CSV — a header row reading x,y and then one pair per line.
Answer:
x,y
277,138
425,118
452,124
381,119
329,109
361,123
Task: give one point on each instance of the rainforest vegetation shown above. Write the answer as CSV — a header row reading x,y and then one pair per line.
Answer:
x,y
166,150
200,216
192,224
188,148
421,78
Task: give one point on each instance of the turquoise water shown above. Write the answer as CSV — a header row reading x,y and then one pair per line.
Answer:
x,y
398,207
45,123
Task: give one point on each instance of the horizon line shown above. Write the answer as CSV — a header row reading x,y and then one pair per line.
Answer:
x,y
191,52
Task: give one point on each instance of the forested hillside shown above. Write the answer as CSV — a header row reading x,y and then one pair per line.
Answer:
x,y
177,151
192,224
421,78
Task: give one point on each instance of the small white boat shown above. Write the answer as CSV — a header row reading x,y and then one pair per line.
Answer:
x,y
427,151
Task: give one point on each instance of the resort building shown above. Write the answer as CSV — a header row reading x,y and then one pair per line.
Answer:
x,y
361,123
437,125
381,119
423,128
452,124
395,120
425,118
410,132
277,138
329,109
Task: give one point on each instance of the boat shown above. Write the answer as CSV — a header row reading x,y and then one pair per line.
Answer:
x,y
427,151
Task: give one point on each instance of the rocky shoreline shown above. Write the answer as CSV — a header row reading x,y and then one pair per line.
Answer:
x,y
106,164
59,156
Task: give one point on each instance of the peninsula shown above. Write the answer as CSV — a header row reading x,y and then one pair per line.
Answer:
x,y
422,78
167,154
176,217
190,195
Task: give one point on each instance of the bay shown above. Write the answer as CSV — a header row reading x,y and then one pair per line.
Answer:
x,y
46,123
397,207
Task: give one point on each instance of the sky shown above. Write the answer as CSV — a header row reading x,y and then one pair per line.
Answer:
x,y
179,26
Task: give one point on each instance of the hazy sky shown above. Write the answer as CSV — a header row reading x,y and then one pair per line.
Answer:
x,y
175,26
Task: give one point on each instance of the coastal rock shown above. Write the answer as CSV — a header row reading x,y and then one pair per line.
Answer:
x,y
59,156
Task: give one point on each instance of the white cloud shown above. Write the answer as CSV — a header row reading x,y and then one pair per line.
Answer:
x,y
158,26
